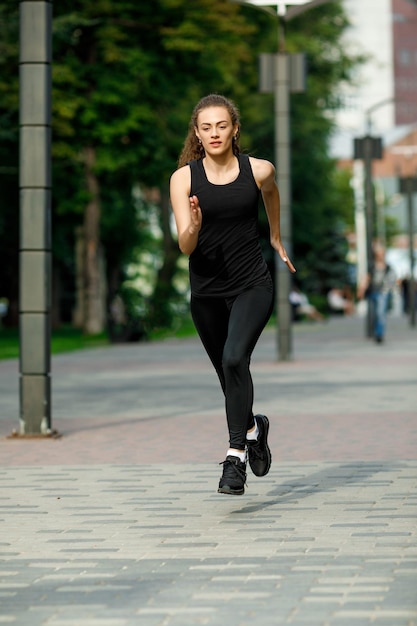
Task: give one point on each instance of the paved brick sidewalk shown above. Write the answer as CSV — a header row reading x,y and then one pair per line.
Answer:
x,y
341,398
118,522
312,544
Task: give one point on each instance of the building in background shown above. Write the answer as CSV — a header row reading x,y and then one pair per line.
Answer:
x,y
383,103
404,31
385,89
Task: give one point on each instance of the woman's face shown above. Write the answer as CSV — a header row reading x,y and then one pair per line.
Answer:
x,y
215,130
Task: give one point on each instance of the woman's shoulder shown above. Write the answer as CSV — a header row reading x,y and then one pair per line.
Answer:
x,y
262,169
181,176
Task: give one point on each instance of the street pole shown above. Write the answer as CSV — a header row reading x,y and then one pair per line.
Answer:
x,y
288,75
35,206
283,164
369,205
412,289
360,220
281,74
408,186
368,148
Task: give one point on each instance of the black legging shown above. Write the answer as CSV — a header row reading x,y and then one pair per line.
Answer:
x,y
229,329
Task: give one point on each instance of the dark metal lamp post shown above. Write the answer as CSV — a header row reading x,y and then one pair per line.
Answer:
x,y
281,74
35,229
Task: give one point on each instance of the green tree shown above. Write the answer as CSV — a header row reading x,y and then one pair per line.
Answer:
x,y
9,158
124,75
125,78
322,200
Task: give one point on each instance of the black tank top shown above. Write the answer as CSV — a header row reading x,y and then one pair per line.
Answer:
x,y
228,257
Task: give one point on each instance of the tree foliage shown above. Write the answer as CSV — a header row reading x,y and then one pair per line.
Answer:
x,y
322,201
9,158
126,76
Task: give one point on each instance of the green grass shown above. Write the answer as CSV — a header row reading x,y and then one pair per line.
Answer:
x,y
9,343
183,328
66,339
69,339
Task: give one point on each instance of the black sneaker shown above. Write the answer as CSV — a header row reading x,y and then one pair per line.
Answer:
x,y
259,454
234,476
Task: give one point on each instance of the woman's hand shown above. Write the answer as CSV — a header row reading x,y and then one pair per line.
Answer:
x,y
196,217
284,256
187,212
264,173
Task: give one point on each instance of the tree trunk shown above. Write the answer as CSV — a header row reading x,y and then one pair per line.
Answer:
x,y
94,318
78,312
161,315
56,320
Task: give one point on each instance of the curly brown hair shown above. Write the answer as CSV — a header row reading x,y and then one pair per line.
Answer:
x,y
192,148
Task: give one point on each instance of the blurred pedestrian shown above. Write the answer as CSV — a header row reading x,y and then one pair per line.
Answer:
x,y
377,288
302,306
214,196
340,301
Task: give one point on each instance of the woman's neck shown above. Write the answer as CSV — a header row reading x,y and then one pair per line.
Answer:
x,y
220,163
222,169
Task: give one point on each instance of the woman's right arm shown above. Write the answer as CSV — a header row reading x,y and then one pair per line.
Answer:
x,y
187,210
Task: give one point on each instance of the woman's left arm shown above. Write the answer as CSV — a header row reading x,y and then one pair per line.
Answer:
x,y
264,173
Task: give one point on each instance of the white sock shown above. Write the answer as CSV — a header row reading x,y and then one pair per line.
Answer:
x,y
253,436
240,455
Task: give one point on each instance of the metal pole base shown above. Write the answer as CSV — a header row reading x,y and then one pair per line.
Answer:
x,y
53,434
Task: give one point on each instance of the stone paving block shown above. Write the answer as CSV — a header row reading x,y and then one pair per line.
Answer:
x,y
337,400
252,557
99,530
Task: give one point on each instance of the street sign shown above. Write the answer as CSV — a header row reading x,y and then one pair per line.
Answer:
x,y
407,184
360,148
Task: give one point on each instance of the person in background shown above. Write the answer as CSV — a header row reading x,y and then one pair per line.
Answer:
x,y
214,195
378,290
340,302
301,306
